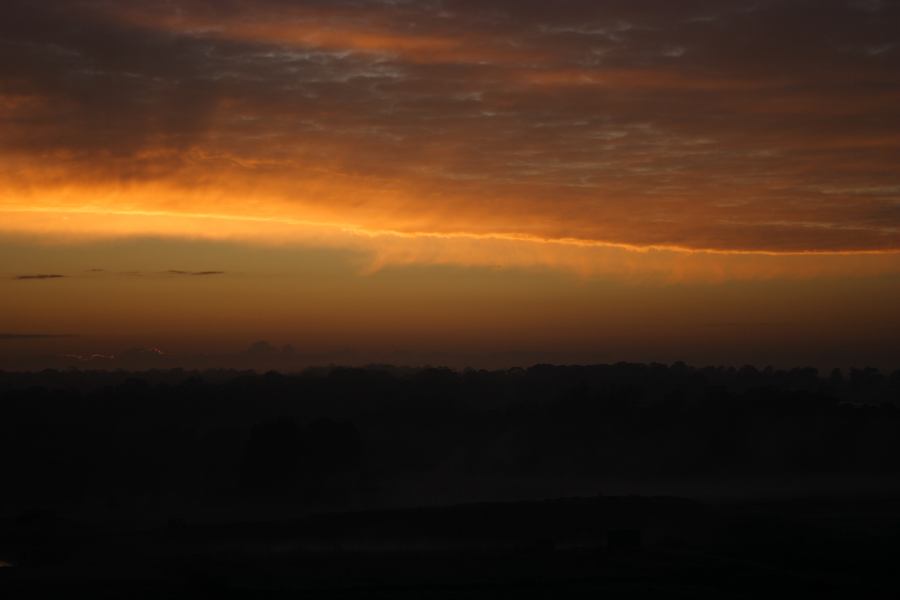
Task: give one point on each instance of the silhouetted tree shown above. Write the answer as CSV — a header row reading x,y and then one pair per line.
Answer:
x,y
333,446
273,456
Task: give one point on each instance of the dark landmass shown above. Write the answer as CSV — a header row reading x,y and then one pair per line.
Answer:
x,y
429,483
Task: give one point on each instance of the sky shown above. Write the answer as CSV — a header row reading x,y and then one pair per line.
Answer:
x,y
488,183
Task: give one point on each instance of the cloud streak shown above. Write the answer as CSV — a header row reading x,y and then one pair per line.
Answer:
x,y
38,277
195,273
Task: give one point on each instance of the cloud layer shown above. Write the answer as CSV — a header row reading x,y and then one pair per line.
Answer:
x,y
769,126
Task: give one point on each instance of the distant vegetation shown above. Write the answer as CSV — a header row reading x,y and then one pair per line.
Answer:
x,y
340,437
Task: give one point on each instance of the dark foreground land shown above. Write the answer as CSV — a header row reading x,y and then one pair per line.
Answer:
x,y
383,483
630,546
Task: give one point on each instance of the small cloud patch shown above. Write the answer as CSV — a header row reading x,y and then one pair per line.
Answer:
x,y
38,276
195,273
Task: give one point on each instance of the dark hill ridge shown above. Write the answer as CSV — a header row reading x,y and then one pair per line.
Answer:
x,y
174,441
386,481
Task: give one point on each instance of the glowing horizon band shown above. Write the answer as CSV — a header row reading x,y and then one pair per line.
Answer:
x,y
374,233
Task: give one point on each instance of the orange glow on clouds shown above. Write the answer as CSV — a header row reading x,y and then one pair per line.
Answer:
x,y
390,247
491,174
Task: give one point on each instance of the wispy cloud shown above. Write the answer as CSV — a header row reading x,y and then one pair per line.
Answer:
x,y
194,273
173,272
38,276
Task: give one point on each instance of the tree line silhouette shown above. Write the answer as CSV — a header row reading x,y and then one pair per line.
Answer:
x,y
346,436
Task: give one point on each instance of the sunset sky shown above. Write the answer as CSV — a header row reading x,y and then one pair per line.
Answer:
x,y
481,183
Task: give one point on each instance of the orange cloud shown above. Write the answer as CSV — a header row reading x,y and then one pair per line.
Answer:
x,y
66,222
310,31
637,78
577,127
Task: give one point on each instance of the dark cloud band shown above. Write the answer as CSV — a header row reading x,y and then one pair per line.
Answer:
x,y
195,273
38,276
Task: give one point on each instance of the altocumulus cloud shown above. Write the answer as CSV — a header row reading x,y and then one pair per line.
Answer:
x,y
703,124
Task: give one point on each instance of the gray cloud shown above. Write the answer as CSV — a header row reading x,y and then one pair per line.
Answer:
x,y
178,272
195,273
38,276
